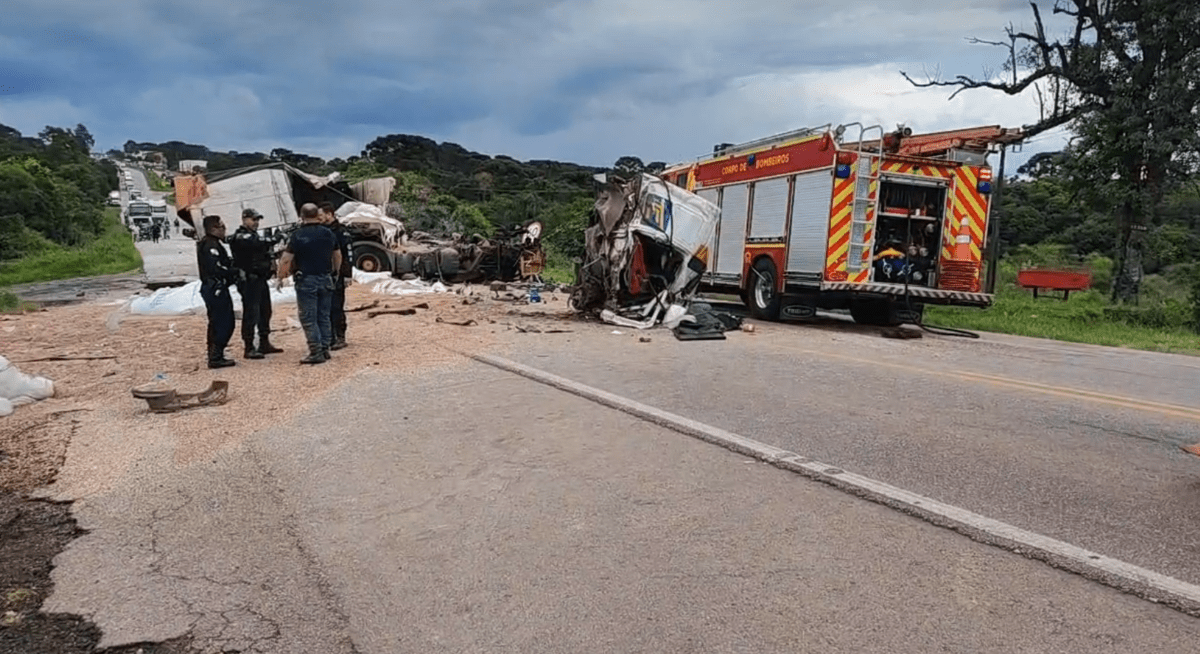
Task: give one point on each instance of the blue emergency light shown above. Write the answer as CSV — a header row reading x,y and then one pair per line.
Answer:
x,y
842,171
985,187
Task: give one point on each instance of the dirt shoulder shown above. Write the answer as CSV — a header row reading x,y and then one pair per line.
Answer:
x,y
96,353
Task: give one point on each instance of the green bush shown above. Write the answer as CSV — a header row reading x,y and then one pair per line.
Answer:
x,y
113,252
1166,314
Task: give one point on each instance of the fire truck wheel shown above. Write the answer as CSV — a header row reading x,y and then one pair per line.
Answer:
x,y
763,295
371,258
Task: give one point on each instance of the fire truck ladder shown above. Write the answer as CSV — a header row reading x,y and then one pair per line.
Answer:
x,y
864,212
728,150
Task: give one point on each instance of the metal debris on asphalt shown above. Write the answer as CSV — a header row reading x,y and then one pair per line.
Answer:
x,y
169,400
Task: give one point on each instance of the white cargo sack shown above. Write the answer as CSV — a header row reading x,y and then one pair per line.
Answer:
x,y
17,388
186,300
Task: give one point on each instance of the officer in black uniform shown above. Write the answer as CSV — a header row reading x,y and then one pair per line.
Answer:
x,y
341,278
216,275
255,265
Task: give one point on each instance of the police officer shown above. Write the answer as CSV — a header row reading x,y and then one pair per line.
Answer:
x,y
216,275
341,278
255,265
313,249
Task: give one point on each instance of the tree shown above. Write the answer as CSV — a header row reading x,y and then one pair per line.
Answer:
x,y
1126,81
84,138
628,166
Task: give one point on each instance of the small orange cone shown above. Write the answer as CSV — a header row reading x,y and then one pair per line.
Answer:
x,y
962,244
1191,449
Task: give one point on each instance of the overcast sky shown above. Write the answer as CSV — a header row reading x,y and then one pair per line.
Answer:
x,y
581,80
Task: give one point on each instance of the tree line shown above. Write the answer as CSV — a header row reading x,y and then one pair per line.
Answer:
x,y
51,189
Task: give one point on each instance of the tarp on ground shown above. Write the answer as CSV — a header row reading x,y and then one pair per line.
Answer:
x,y
384,284
186,300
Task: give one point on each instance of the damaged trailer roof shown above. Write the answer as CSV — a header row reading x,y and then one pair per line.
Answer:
x,y
275,190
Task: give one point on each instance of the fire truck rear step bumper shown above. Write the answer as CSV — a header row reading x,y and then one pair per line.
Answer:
x,y
926,295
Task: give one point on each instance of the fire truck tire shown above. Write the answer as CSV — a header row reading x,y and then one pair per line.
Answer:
x,y
371,258
873,312
763,294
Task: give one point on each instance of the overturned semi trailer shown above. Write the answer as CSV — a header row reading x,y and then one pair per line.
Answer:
x,y
381,241
646,251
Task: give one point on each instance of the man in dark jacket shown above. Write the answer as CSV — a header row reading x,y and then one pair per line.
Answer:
x,y
252,258
216,275
313,252
341,278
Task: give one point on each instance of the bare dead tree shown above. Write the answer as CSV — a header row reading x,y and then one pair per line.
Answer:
x,y
1126,80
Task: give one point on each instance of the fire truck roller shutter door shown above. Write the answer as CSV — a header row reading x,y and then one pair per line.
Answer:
x,y
768,219
711,195
731,233
810,222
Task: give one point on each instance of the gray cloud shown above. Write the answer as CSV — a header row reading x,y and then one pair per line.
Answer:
x,y
585,80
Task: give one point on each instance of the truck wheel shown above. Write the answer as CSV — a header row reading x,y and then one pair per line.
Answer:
x,y
763,294
371,258
873,312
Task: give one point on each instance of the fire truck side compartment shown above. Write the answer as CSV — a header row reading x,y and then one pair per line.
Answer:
x,y
769,216
731,232
714,196
810,222
911,212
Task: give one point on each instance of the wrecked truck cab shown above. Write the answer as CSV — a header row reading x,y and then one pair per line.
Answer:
x,y
646,249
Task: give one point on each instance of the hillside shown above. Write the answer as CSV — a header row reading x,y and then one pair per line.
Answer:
x,y
453,169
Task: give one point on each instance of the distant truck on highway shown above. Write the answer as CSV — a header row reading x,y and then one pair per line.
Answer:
x,y
137,213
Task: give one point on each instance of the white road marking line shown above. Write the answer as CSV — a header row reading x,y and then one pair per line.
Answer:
x,y
1112,572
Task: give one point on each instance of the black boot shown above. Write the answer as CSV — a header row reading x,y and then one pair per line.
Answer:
x,y
253,352
339,342
216,358
316,356
266,348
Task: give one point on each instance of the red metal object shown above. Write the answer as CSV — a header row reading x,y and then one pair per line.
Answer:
x,y
1191,449
812,152
1054,280
974,138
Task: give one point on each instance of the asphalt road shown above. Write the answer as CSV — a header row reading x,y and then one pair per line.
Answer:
x,y
1072,442
468,510
465,509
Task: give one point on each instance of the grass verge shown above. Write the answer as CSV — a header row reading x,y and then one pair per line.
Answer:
x,y
1081,319
157,183
112,252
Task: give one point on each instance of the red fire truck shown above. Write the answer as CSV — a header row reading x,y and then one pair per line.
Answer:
x,y
882,225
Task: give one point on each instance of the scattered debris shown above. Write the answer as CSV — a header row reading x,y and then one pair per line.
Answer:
x,y
168,400
466,323
899,332
748,328
67,358
363,307
702,323
644,339
392,312
423,305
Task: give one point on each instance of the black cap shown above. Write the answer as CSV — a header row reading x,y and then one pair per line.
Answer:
x,y
251,213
